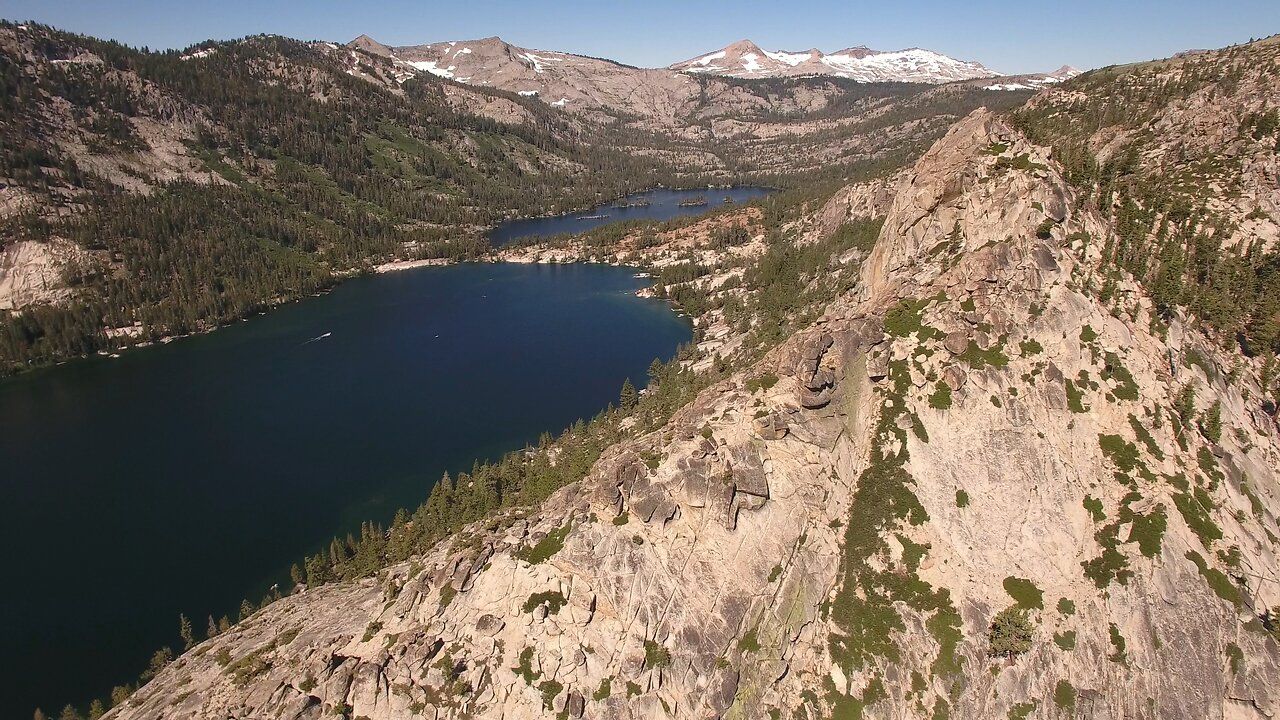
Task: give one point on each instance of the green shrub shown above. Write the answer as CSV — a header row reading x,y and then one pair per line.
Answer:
x,y
1117,642
1024,592
941,397
962,499
1022,711
1065,640
1064,696
1094,506
1211,422
655,655
1218,581
553,599
1011,632
546,547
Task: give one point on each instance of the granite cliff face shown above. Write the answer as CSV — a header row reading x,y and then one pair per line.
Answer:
x,y
835,528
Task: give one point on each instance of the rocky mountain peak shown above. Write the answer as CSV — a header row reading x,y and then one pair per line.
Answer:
x,y
369,45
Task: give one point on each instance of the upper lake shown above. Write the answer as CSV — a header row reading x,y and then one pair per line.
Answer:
x,y
185,477
660,204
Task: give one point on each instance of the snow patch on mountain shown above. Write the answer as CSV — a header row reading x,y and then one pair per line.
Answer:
x,y
787,58
746,59
431,67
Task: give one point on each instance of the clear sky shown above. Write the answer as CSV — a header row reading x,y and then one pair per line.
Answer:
x,y
1007,36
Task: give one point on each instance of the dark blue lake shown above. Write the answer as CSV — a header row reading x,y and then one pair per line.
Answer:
x,y
185,477
662,204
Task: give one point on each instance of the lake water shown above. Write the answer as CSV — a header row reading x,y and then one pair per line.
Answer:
x,y
185,477
663,205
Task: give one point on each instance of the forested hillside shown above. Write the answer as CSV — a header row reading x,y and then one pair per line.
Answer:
x,y
204,188
1180,156
152,194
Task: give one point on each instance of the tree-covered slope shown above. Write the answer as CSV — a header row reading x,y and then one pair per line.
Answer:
x,y
203,186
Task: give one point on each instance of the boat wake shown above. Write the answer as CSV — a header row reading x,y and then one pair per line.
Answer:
x,y
317,338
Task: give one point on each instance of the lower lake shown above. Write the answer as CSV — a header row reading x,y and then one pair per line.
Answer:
x,y
660,204
186,477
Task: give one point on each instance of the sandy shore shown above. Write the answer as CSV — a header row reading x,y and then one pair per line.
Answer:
x,y
409,265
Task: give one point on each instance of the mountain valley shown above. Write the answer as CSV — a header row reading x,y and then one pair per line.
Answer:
x,y
979,419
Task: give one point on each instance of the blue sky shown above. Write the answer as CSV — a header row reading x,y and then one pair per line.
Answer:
x,y
1006,36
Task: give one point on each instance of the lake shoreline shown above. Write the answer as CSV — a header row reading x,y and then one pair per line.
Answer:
x,y
535,252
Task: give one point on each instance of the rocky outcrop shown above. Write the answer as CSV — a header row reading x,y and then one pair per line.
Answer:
x,y
842,537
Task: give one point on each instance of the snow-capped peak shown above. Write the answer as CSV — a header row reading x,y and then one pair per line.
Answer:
x,y
745,59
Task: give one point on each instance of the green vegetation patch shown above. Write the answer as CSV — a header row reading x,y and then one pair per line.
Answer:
x,y
1148,531
1121,452
550,689
1196,507
978,358
863,610
1065,640
962,499
762,382
553,599
1117,643
1115,371
547,547
1075,397
941,397
905,318
1022,711
1064,696
1024,593
655,655
1140,432
1218,581
1094,506
1236,656
524,666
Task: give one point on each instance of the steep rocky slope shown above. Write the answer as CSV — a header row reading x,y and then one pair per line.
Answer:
x,y
834,529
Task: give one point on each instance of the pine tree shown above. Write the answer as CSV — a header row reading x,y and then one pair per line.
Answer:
x,y
1186,406
295,574
628,398
184,632
96,710
119,694
1211,422
655,372
212,630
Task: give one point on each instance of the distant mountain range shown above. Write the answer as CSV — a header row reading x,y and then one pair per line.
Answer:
x,y
563,78
745,59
